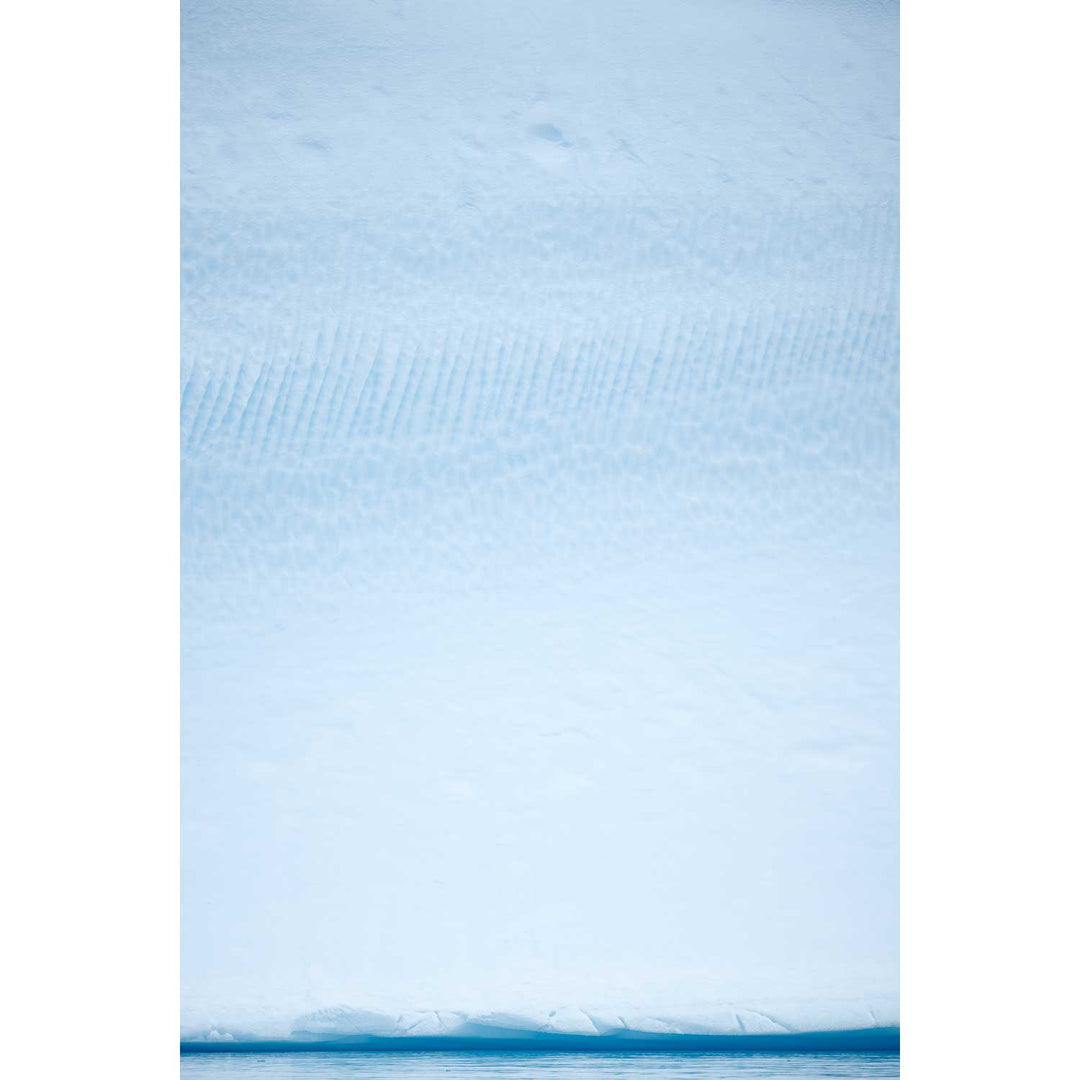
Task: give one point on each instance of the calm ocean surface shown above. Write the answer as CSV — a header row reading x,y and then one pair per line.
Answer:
x,y
497,1065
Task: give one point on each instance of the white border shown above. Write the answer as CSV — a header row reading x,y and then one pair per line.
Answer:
x,y
90,453
989,538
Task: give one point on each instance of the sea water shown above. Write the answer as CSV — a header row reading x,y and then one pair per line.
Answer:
x,y
501,1065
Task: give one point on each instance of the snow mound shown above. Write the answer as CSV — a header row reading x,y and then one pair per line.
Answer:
x,y
343,1024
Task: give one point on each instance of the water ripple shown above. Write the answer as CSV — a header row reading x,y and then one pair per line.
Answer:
x,y
525,1066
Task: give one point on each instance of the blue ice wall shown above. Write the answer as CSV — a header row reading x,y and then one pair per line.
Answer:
x,y
539,450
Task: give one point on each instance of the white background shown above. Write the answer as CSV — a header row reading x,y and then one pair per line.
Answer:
x,y
989,493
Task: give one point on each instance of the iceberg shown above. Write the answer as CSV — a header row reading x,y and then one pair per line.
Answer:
x,y
539,440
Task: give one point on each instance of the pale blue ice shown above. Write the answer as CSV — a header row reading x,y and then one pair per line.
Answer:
x,y
540,484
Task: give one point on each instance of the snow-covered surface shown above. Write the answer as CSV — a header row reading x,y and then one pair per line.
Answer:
x,y
539,436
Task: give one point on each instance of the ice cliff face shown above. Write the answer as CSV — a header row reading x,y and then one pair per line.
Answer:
x,y
539,442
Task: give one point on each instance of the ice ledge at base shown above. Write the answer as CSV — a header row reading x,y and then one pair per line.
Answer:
x,y
874,1039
